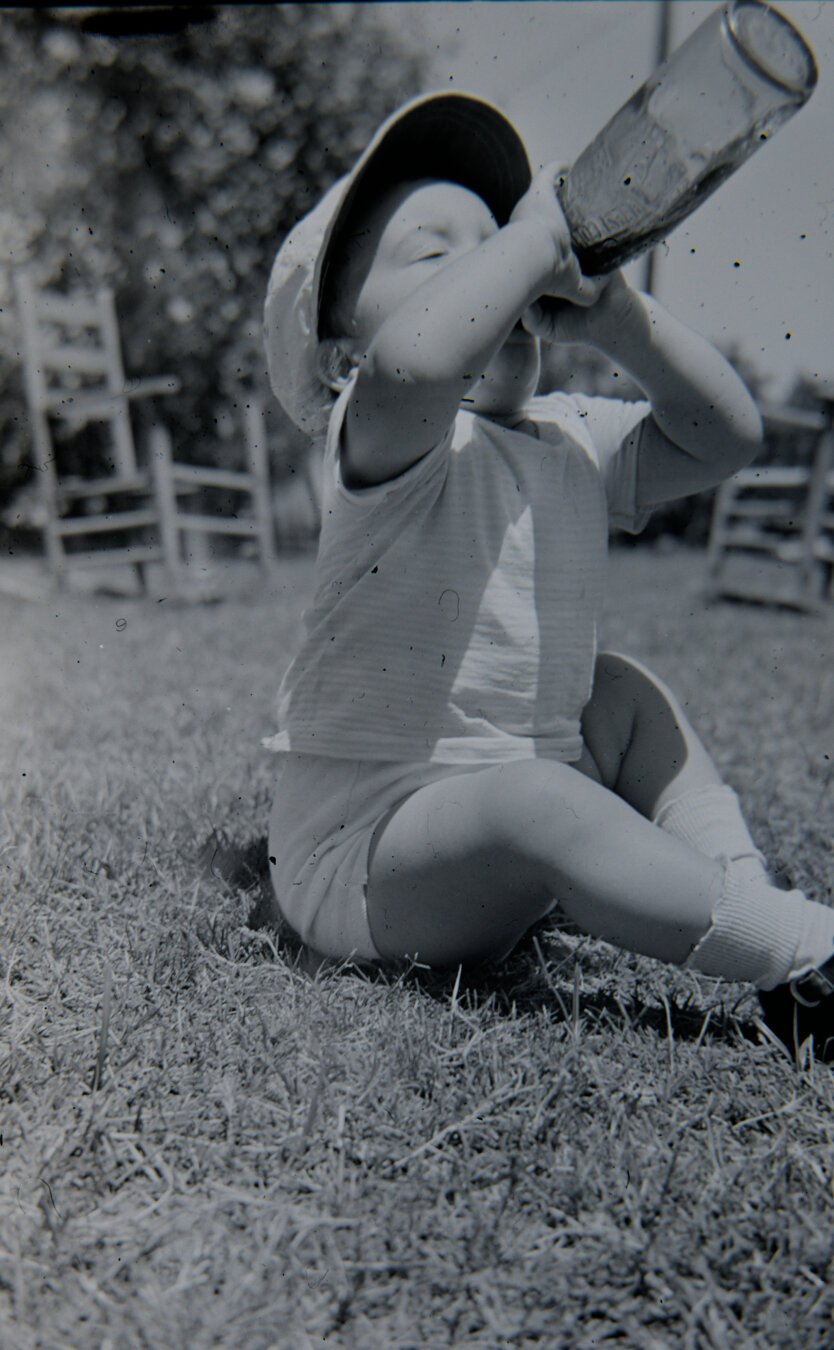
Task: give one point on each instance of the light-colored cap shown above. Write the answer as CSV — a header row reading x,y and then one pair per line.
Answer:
x,y
451,136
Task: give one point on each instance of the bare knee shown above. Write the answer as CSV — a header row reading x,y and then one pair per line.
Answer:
x,y
640,736
621,676
610,716
622,684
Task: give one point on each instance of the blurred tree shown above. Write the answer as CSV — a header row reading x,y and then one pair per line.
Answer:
x,y
170,167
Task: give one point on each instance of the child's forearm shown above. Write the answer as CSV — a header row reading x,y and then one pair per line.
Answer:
x,y
447,331
697,398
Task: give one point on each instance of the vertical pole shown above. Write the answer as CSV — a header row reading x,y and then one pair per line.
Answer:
x,y
812,571
118,419
160,453
663,42
255,433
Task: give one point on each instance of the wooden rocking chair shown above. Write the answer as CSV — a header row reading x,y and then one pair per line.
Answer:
x,y
101,510
181,489
772,535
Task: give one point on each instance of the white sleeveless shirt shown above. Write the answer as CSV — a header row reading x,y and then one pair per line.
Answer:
x,y
456,606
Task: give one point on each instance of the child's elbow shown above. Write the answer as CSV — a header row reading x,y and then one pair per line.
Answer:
x,y
408,367
746,436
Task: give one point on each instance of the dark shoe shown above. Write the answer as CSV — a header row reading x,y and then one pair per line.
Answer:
x,y
803,1008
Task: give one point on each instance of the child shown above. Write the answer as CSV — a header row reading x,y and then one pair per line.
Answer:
x,y
456,757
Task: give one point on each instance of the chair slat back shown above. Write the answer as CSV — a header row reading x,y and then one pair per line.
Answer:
x,y
71,346
794,529
68,356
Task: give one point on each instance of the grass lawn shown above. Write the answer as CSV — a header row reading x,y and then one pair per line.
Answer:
x,y
203,1145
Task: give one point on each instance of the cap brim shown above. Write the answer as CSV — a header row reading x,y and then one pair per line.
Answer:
x,y
451,136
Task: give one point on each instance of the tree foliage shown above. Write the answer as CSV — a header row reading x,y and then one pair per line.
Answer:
x,y
170,167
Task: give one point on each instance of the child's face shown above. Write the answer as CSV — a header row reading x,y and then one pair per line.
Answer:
x,y
416,231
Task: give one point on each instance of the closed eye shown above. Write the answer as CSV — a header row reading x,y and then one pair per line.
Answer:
x,y
427,257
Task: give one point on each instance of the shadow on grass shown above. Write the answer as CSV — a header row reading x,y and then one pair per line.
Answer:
x,y
542,973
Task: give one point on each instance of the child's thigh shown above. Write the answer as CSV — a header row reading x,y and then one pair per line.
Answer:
x,y
459,871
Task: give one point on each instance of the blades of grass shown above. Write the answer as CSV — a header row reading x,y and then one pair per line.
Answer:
x,y
454,998
650,1224
787,1109
312,1109
551,986
104,1028
670,1035
476,1115
340,1152
702,1033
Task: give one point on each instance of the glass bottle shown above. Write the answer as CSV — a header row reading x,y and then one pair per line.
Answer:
x,y
716,100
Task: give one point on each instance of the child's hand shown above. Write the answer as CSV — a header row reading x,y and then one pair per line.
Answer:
x,y
598,323
541,205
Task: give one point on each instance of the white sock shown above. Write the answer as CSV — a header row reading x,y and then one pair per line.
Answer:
x,y
761,935
710,820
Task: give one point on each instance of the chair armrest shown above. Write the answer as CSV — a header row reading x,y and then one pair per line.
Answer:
x,y
85,404
108,485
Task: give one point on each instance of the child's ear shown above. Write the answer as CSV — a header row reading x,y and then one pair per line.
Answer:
x,y
335,363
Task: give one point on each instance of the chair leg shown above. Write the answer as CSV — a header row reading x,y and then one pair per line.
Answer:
x,y
160,447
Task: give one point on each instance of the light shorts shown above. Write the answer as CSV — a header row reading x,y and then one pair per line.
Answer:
x,y
324,814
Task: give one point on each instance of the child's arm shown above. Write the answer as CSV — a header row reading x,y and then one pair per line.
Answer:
x,y
704,424
426,355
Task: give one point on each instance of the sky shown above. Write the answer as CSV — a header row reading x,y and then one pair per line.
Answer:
x,y
561,68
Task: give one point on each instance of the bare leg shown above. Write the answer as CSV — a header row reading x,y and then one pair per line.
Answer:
x,y
464,866
462,869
